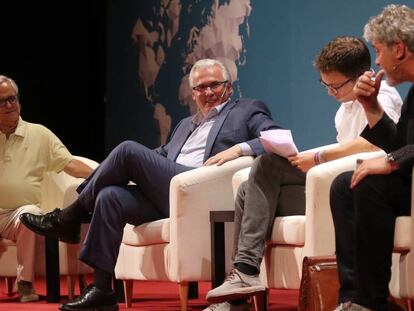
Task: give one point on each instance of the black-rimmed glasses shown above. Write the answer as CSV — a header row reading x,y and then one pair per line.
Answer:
x,y
9,100
212,86
335,87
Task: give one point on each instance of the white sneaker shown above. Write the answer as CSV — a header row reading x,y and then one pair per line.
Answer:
x,y
26,292
225,306
237,286
350,306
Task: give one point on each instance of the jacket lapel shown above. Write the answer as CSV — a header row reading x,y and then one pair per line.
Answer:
x,y
179,139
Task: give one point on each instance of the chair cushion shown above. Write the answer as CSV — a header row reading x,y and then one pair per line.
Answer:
x,y
402,237
288,230
154,232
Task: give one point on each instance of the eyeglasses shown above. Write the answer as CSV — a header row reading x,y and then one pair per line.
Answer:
x,y
335,88
9,100
212,86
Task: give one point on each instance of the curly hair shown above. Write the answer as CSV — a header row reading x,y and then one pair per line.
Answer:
x,y
346,54
394,23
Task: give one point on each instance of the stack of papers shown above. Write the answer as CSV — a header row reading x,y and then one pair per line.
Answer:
x,y
279,142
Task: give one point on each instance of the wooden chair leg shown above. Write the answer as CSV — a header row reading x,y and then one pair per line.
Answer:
x,y
399,304
128,287
260,301
183,287
9,285
71,287
410,304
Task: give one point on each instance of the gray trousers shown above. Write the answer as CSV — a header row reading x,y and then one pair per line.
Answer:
x,y
274,188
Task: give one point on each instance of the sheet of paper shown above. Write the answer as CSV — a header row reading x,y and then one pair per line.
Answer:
x,y
279,142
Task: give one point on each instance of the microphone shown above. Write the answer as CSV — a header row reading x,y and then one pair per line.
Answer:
x,y
224,93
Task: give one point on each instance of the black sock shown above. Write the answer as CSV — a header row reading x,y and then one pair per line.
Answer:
x,y
246,269
238,302
102,280
73,213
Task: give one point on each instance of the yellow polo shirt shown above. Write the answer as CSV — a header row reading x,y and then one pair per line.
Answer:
x,y
25,156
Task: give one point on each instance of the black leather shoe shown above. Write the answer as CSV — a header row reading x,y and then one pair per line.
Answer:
x,y
51,226
91,299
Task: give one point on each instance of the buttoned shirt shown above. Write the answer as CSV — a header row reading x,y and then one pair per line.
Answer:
x,y
25,156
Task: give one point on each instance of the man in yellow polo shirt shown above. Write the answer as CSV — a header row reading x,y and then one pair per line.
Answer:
x,y
27,151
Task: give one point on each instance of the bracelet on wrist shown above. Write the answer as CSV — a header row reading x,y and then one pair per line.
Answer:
x,y
316,158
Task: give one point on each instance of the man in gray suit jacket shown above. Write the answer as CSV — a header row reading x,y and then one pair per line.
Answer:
x,y
222,130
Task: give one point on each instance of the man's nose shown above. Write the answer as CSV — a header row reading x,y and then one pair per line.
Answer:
x,y
208,90
331,91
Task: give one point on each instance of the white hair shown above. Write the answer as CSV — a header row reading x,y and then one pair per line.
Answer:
x,y
4,79
394,23
207,62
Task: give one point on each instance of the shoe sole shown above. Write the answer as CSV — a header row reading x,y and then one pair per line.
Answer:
x,y
240,294
62,239
32,298
103,308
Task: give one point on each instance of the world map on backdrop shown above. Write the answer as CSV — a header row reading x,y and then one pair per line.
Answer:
x,y
174,37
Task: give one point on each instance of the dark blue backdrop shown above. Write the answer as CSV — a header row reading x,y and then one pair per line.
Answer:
x,y
284,38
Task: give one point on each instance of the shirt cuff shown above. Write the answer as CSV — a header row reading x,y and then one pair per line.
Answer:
x,y
246,149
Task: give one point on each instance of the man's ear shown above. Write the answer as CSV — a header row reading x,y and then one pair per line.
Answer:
x,y
400,50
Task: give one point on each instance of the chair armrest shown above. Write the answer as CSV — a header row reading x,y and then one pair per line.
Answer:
x,y
238,178
319,229
242,175
193,194
59,189
320,148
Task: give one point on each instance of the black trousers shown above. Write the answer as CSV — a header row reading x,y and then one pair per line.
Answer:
x,y
364,220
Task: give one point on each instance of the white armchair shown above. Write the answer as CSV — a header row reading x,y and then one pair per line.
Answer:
x,y
58,191
312,234
177,249
294,237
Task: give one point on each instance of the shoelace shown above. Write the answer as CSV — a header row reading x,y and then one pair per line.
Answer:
x,y
345,306
86,289
232,276
52,216
215,306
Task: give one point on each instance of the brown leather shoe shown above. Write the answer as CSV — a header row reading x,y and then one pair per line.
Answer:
x,y
50,225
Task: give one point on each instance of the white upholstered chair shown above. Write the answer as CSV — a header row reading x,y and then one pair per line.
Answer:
x,y
177,248
58,190
294,237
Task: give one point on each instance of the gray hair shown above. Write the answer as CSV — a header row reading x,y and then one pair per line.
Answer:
x,y
4,79
207,62
394,23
